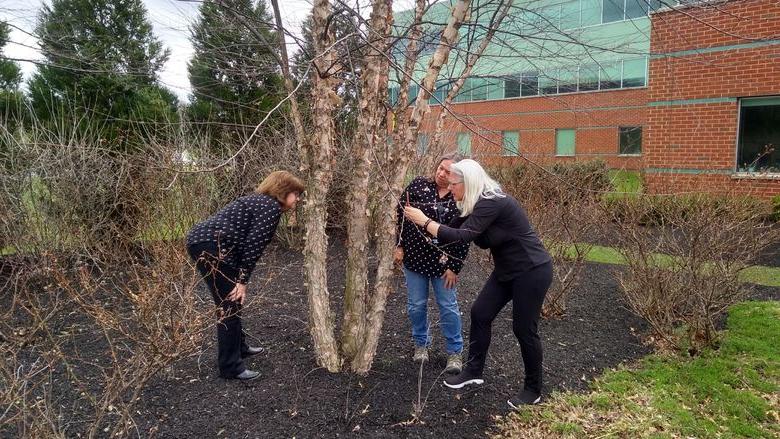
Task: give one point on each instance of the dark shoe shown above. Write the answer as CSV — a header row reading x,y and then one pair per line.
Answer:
x,y
526,397
251,350
462,379
247,375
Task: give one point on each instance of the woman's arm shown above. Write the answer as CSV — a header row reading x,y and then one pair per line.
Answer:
x,y
485,212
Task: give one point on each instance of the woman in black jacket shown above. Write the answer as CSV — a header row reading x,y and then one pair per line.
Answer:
x,y
522,273
226,248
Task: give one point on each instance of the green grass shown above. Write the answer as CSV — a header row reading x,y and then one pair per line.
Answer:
x,y
625,181
731,392
757,274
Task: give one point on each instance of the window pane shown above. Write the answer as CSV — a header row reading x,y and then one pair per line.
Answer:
x,y
530,84
630,140
570,15
511,143
657,4
511,88
634,72
531,22
548,83
610,75
591,12
589,77
464,95
479,90
636,8
413,93
422,144
438,96
613,11
567,81
565,142
759,138
393,95
464,143
495,89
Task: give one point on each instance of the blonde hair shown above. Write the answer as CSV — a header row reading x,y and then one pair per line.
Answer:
x,y
279,184
476,184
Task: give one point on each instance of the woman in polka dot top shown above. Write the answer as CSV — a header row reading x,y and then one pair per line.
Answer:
x,y
427,261
226,248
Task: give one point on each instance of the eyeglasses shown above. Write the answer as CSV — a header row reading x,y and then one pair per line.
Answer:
x,y
453,183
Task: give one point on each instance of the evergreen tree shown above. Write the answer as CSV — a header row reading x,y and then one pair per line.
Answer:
x,y
102,60
11,98
234,71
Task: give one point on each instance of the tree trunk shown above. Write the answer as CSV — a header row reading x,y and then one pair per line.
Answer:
x,y
318,159
373,82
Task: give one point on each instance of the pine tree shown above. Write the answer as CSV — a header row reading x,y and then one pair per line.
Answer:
x,y
11,98
102,60
234,73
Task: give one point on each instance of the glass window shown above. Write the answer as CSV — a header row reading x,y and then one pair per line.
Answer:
x,y
567,80
479,89
413,93
609,75
531,22
630,140
495,89
589,77
613,11
511,88
570,15
759,135
636,8
565,142
511,143
393,95
634,72
464,95
656,4
529,85
422,143
591,12
548,83
464,143
438,96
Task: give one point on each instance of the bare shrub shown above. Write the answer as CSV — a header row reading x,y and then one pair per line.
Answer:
x,y
684,255
562,203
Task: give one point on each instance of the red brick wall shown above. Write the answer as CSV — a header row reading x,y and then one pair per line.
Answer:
x,y
703,135
596,117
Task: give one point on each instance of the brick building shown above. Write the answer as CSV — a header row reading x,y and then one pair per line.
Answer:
x,y
686,93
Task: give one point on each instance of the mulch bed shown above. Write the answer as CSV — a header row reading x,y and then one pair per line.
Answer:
x,y
295,398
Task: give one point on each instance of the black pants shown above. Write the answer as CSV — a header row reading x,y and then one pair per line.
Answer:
x,y
527,295
221,279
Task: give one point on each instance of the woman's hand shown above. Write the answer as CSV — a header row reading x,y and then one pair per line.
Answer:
x,y
450,279
398,256
238,294
415,215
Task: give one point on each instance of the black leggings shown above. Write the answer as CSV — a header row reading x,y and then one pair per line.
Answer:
x,y
527,293
221,279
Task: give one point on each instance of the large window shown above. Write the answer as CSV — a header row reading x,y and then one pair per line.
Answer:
x,y
630,140
565,140
759,135
589,77
529,85
511,141
464,143
634,72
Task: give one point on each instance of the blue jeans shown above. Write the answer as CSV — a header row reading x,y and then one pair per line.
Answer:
x,y
417,305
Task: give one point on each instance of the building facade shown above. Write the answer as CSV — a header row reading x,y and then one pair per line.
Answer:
x,y
686,93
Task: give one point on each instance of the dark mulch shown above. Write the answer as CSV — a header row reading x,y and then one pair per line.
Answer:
x,y
294,398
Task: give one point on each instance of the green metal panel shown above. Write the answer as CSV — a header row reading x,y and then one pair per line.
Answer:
x,y
511,143
760,102
464,143
565,142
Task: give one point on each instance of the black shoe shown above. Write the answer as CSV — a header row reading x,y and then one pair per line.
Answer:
x,y
526,397
252,351
247,375
462,379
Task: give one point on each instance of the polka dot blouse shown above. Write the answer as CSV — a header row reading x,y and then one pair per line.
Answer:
x,y
423,254
241,231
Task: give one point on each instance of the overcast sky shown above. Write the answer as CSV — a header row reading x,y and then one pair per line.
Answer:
x,y
170,18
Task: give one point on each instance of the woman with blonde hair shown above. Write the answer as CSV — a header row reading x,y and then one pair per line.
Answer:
x,y
226,248
522,272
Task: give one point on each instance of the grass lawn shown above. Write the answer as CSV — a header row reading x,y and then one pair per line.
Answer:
x,y
625,181
731,392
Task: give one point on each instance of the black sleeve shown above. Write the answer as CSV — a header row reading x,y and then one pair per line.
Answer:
x,y
458,253
265,220
485,212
